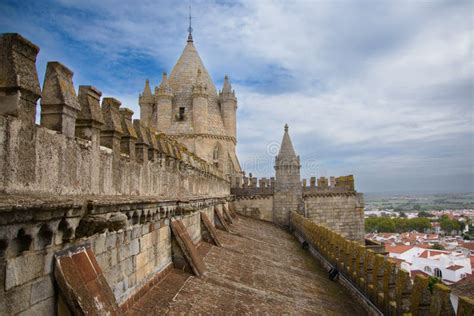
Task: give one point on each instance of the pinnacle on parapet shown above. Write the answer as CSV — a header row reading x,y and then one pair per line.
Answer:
x,y
164,87
200,86
147,90
227,88
287,152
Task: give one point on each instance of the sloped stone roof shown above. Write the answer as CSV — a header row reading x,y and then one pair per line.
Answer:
x,y
181,80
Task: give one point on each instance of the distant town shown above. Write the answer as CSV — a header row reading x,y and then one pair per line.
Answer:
x,y
427,234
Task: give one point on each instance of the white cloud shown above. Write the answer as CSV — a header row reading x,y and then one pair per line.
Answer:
x,y
378,89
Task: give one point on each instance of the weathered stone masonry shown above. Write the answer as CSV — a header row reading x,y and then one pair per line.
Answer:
x,y
87,175
374,277
334,203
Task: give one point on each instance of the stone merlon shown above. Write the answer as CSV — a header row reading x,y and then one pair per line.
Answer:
x,y
59,104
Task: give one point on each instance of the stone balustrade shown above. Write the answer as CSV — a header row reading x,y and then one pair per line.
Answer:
x,y
376,277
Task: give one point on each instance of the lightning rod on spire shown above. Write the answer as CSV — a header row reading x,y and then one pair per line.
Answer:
x,y
190,29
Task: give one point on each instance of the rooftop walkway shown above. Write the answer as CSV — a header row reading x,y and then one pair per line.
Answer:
x,y
261,269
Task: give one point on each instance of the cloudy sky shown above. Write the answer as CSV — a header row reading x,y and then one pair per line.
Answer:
x,y
379,89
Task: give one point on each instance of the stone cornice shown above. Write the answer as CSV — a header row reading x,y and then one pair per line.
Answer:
x,y
253,197
329,194
222,137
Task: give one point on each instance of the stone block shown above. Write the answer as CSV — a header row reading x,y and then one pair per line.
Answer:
x,y
111,241
111,131
46,307
164,233
134,247
89,119
127,266
136,232
18,76
48,262
144,272
146,241
141,259
124,252
59,104
143,142
15,300
99,244
129,136
23,269
42,289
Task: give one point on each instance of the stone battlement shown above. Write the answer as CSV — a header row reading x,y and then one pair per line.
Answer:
x,y
84,146
252,186
374,276
323,184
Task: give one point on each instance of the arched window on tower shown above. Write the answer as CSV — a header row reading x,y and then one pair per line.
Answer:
x,y
438,273
427,269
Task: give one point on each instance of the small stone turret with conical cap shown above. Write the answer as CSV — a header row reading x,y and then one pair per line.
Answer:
x,y
286,155
228,103
200,104
164,104
287,192
146,103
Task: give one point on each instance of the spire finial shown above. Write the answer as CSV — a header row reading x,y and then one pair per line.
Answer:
x,y
286,127
190,29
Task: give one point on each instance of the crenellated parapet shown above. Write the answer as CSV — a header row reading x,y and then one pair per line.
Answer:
x,y
327,186
248,187
377,283
85,143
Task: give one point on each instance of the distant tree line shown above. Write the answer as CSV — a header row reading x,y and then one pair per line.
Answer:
x,y
403,224
396,225
450,226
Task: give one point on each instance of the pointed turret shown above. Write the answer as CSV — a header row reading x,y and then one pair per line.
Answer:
x,y
200,85
227,88
228,103
164,99
200,104
146,90
287,190
164,87
287,153
146,103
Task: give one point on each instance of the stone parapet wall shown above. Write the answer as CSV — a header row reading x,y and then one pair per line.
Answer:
x,y
342,211
130,237
376,277
323,184
82,146
255,206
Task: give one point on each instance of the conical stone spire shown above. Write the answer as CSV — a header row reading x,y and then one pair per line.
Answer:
x,y
287,152
147,90
227,88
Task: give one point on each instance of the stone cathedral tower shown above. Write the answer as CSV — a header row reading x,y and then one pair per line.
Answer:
x,y
187,106
288,191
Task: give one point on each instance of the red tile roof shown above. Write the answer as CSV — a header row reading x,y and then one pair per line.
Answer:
x,y
397,248
432,253
468,245
454,267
